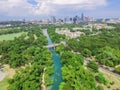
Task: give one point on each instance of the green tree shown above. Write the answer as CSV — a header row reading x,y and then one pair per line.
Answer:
x,y
117,69
86,52
101,79
92,65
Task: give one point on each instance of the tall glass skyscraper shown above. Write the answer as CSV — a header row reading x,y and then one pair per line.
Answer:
x,y
82,17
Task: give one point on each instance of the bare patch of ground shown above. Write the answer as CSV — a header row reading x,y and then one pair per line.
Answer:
x,y
4,84
2,75
43,87
112,78
5,73
8,71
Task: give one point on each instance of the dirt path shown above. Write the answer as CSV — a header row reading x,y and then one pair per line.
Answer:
x,y
112,77
2,75
8,71
43,80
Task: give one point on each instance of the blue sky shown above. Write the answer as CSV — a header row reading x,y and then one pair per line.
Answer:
x,y
38,9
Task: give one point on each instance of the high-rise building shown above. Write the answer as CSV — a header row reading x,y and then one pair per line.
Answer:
x,y
53,20
75,20
71,19
86,19
67,20
82,17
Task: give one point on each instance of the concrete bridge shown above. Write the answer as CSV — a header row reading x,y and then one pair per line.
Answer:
x,y
55,45
51,46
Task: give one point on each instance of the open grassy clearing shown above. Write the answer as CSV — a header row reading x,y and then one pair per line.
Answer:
x,y
111,78
4,84
10,36
8,71
9,74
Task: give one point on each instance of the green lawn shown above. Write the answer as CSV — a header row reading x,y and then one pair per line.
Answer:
x,y
4,84
10,36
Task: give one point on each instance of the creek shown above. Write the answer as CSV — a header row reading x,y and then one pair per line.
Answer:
x,y
56,77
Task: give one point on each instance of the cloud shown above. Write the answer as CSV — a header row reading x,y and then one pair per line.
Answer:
x,y
41,9
13,7
45,7
23,8
80,2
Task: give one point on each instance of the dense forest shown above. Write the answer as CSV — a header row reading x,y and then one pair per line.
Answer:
x,y
10,30
104,47
27,51
74,74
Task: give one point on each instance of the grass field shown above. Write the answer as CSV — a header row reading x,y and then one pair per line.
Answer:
x,y
4,84
9,74
111,78
10,36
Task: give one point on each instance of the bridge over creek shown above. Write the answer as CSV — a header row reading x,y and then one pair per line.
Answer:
x,y
55,45
51,46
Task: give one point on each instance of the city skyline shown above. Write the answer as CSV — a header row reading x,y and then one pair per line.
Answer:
x,y
37,9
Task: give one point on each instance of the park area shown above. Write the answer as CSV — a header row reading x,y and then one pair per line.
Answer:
x,y
6,74
10,36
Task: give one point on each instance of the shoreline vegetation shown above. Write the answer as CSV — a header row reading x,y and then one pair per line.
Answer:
x,y
56,77
106,42
21,51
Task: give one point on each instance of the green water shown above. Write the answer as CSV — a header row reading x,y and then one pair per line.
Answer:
x,y
57,76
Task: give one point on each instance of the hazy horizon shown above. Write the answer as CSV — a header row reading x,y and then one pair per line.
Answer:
x,y
38,9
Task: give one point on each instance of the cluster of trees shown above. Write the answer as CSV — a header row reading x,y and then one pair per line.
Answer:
x,y
75,76
23,49
10,30
117,69
27,50
101,79
30,78
105,46
56,38
11,22
93,66
108,56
